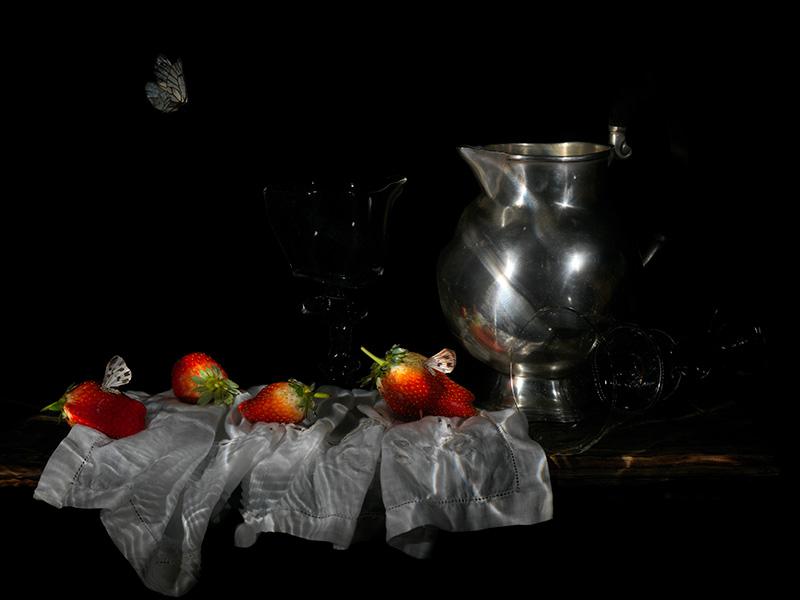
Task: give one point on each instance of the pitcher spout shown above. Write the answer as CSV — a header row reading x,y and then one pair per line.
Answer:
x,y
489,167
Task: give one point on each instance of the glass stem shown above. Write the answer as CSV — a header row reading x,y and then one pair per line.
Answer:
x,y
340,340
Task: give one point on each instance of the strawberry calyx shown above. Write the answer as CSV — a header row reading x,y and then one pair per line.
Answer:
x,y
214,388
58,405
305,395
381,366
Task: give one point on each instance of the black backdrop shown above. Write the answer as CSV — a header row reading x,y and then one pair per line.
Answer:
x,y
127,231
144,234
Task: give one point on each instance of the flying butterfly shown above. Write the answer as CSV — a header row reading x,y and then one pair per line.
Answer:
x,y
168,92
117,374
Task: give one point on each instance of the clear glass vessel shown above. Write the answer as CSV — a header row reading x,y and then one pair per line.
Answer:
x,y
332,232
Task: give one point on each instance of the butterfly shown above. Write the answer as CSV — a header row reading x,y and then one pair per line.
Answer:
x,y
117,374
443,361
168,92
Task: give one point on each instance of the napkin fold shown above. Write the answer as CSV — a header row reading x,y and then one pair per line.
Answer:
x,y
175,566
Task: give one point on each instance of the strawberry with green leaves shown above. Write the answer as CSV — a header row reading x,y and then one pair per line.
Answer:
x,y
199,379
101,406
414,385
283,402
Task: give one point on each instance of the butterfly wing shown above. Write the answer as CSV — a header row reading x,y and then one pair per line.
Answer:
x,y
117,374
169,77
443,361
158,99
168,92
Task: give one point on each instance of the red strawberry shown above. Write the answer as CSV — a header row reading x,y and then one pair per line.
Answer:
x,y
108,411
414,386
199,379
282,402
455,401
404,381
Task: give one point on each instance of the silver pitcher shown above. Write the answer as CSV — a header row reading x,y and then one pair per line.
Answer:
x,y
536,269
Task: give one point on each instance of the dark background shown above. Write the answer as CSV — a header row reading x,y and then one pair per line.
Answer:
x,y
144,234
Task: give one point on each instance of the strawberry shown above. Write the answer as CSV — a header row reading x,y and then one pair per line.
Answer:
x,y
282,402
455,401
404,381
199,379
102,407
414,386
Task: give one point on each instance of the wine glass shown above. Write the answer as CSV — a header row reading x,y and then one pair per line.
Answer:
x,y
332,232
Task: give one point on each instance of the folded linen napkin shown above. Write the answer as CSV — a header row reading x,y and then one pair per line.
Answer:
x,y
138,482
175,567
347,471
313,481
274,461
458,474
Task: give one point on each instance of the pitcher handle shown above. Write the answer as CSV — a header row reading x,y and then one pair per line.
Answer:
x,y
616,139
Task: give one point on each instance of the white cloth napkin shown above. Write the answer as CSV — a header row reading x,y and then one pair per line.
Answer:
x,y
312,482
138,481
336,480
309,482
458,474
175,567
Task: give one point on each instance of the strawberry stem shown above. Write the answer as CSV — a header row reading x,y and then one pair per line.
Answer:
x,y
56,406
380,361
